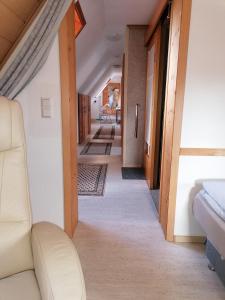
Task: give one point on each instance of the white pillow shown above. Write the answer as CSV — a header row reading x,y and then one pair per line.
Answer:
x,y
216,189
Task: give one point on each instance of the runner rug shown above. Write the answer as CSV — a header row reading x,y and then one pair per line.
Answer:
x,y
91,179
97,149
105,133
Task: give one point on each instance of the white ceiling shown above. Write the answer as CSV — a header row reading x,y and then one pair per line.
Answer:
x,y
100,45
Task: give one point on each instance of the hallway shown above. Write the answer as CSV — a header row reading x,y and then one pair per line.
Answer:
x,y
122,248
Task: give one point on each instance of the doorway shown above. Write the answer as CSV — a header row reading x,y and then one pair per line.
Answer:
x,y
170,149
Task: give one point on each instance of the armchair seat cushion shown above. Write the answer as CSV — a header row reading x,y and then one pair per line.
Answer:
x,y
21,286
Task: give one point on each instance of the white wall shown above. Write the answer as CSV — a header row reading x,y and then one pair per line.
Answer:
x,y
204,108
44,145
134,93
96,103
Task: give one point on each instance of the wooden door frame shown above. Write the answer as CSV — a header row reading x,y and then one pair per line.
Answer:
x,y
67,58
177,61
174,100
155,20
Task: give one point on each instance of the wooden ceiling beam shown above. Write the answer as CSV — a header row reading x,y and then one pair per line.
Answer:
x,y
15,18
23,9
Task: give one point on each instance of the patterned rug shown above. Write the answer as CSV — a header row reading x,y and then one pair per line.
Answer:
x,y
105,133
91,179
97,149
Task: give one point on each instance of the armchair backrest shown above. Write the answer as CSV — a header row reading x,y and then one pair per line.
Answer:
x,y
15,212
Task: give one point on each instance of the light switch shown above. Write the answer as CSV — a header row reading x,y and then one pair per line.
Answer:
x,y
46,108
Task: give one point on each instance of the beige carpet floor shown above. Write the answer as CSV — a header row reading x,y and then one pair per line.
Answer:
x,y
123,252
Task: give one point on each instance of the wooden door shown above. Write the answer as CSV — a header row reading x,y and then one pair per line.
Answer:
x,y
122,104
81,119
152,111
89,114
84,118
86,115
173,111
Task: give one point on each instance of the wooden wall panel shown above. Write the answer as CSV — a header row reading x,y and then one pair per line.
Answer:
x,y
11,24
22,8
5,47
15,18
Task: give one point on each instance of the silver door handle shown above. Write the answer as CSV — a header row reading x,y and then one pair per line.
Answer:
x,y
136,120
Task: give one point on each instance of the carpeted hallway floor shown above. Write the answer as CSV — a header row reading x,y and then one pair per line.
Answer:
x,y
122,249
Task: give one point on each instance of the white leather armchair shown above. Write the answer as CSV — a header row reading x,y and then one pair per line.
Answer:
x,y
39,261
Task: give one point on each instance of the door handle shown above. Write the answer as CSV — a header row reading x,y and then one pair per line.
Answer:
x,y
136,120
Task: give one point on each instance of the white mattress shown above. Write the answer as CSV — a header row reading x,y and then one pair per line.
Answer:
x,y
215,204
215,195
211,223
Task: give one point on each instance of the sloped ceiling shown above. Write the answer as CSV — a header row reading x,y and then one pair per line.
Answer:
x,y
100,45
14,17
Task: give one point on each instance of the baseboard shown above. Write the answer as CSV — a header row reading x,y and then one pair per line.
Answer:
x,y
131,166
189,239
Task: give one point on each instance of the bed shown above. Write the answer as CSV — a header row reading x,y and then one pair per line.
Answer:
x,y
209,211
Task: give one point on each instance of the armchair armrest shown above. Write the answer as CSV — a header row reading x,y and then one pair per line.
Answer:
x,y
56,263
